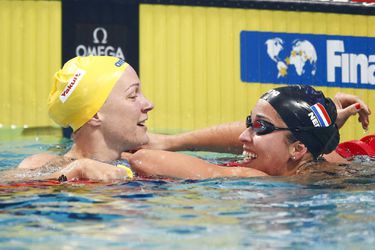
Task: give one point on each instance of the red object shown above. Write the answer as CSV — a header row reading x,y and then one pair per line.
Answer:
x,y
370,140
365,146
364,1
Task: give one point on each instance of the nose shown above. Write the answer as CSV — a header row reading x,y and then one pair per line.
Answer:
x,y
147,105
246,136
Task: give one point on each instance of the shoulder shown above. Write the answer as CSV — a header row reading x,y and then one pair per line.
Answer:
x,y
323,170
335,158
37,161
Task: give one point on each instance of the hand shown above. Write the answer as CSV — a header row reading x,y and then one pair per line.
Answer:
x,y
126,155
158,141
348,105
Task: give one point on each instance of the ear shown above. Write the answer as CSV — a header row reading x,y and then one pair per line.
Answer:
x,y
297,150
95,121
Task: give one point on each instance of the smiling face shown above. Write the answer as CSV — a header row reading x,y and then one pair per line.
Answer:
x,y
269,153
124,113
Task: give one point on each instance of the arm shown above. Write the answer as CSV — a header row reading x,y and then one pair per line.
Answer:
x,y
87,169
157,163
219,138
334,157
82,169
348,105
36,161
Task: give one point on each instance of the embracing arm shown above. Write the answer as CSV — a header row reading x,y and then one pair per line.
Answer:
x,y
87,169
82,169
219,138
37,161
157,163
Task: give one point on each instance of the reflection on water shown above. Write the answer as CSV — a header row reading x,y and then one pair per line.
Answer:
x,y
260,213
212,214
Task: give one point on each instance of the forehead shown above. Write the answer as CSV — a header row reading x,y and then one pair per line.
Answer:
x,y
128,77
265,110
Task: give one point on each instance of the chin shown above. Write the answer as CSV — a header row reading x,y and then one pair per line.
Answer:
x,y
142,140
257,167
145,141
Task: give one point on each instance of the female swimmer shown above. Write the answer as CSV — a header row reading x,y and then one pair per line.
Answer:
x,y
289,127
100,98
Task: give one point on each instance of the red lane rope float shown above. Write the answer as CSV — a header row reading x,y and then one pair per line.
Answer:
x,y
364,146
364,1
370,140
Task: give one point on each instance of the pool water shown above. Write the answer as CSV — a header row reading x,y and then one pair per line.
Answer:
x,y
253,213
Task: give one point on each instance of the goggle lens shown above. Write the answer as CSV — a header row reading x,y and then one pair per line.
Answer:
x,y
260,127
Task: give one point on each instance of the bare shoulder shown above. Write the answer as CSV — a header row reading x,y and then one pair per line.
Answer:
x,y
37,161
323,170
334,157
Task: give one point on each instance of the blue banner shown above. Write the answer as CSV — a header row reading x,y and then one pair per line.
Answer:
x,y
320,60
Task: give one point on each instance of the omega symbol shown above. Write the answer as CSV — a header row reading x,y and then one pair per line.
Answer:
x,y
95,35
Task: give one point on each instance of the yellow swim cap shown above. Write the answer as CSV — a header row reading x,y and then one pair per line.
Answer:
x,y
81,87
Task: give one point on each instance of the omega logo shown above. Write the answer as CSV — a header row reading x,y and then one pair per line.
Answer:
x,y
100,48
95,35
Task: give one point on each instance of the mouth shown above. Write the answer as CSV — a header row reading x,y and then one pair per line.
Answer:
x,y
142,123
248,156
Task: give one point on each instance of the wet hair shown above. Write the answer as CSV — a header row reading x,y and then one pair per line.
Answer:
x,y
308,114
290,138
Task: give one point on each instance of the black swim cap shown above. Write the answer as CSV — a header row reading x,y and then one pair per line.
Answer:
x,y
310,112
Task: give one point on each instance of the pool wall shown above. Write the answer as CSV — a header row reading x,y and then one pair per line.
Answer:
x,y
30,48
194,57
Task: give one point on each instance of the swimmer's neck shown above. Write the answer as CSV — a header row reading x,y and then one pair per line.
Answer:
x,y
100,153
294,166
93,146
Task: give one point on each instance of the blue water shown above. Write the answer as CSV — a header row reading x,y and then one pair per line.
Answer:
x,y
254,213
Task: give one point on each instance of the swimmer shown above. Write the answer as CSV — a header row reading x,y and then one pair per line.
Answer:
x,y
223,138
289,128
100,98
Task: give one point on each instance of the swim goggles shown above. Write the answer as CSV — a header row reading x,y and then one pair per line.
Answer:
x,y
262,127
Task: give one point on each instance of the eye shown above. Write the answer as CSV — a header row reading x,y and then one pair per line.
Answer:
x,y
257,124
133,94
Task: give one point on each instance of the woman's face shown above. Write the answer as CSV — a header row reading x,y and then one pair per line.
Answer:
x,y
125,112
269,153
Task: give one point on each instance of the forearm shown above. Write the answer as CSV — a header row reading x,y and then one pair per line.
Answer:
x,y
88,169
219,138
23,175
157,163
15,175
